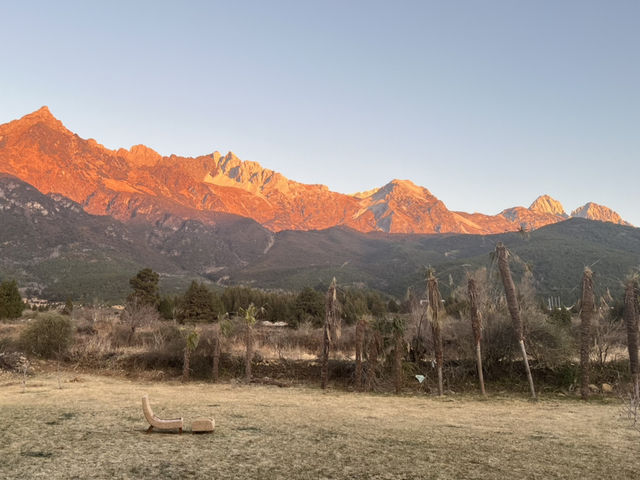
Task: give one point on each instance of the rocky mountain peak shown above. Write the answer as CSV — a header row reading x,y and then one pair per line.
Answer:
x,y
593,211
43,113
42,116
547,204
395,188
141,155
139,183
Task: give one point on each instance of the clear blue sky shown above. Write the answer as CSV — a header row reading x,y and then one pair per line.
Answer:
x,y
488,104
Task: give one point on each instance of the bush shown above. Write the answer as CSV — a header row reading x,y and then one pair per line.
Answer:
x,y
548,344
561,317
48,336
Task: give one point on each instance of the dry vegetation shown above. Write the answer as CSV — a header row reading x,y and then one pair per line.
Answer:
x,y
93,428
74,424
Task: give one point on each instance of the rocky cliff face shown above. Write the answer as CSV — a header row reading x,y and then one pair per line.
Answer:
x,y
139,184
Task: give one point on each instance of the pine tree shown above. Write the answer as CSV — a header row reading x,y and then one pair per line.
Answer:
x,y
145,287
68,307
197,304
11,304
166,308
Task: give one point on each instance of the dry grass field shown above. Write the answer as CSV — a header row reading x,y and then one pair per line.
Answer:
x,y
93,427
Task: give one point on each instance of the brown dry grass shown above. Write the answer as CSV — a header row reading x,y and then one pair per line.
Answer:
x,y
94,428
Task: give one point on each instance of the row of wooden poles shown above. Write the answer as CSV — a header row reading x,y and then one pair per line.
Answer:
x,y
587,311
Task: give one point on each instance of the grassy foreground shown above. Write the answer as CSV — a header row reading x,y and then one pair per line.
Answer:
x,y
93,428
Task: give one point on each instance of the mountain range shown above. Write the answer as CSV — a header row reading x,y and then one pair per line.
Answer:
x,y
139,182
79,219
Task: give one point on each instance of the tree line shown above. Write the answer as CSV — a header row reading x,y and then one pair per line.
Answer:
x,y
202,304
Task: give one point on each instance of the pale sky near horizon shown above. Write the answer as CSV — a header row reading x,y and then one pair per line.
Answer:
x,y
487,104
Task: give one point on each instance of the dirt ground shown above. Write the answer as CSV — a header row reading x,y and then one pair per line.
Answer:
x,y
93,427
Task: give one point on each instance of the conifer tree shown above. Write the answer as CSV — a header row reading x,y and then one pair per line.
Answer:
x,y
145,287
11,304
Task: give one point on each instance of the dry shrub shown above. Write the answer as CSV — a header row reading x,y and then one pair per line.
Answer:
x,y
282,342
164,348
137,314
549,344
48,336
92,350
85,327
609,333
457,338
119,336
167,337
6,344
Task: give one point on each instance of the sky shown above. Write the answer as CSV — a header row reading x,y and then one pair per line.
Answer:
x,y
488,104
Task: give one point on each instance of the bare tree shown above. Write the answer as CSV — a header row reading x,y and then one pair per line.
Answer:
x,y
476,325
250,317
398,349
435,305
331,331
191,344
609,330
373,351
137,314
417,320
361,328
586,314
514,310
214,344
631,322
